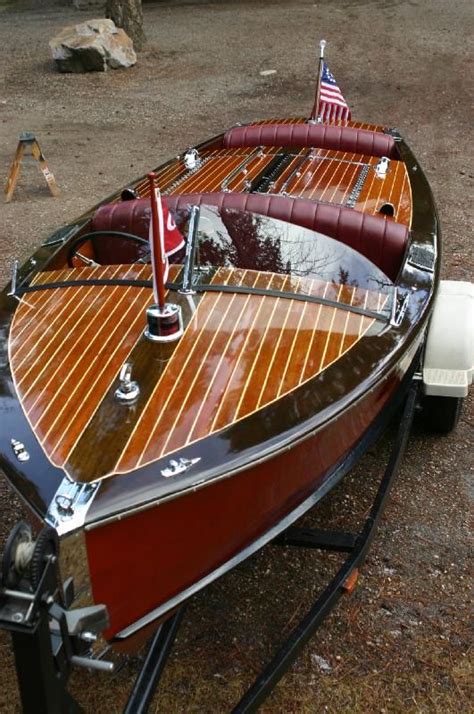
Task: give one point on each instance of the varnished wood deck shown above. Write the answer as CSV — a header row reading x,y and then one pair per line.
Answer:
x,y
239,353
314,174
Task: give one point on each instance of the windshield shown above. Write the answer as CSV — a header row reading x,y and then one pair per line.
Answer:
x,y
233,248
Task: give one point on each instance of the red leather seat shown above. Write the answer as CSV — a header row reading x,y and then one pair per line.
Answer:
x,y
382,241
338,138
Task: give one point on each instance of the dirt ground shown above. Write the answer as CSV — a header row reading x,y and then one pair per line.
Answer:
x,y
401,642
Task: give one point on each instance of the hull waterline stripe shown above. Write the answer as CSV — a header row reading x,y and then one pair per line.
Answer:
x,y
339,470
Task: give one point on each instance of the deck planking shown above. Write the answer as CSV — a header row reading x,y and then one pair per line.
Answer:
x,y
239,354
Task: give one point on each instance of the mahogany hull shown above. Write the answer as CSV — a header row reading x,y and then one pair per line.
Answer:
x,y
187,542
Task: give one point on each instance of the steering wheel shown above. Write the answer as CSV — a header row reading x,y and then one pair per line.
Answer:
x,y
73,251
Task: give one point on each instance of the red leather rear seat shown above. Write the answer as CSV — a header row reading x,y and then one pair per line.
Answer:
x,y
382,241
338,138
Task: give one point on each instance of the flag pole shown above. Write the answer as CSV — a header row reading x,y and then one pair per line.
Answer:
x,y
315,113
156,249
164,320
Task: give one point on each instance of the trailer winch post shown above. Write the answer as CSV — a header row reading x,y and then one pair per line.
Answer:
x,y
48,637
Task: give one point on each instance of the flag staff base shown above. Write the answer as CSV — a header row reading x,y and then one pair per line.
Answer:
x,y
165,324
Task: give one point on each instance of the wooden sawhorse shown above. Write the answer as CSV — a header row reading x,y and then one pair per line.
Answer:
x,y
28,141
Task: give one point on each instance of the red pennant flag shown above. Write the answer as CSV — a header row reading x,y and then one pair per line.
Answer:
x,y
170,240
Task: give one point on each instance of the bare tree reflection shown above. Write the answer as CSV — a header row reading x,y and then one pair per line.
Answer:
x,y
231,238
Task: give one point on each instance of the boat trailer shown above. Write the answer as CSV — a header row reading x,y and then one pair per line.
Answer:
x,y
49,637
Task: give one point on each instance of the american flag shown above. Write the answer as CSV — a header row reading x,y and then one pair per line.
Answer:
x,y
332,105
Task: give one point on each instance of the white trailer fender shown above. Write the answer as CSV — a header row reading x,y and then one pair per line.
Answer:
x,y
448,362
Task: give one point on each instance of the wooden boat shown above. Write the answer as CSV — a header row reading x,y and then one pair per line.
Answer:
x,y
305,289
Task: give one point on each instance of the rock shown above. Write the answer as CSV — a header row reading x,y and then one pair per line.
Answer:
x,y
92,46
322,663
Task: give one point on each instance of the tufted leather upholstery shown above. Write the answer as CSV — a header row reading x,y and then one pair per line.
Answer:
x,y
338,138
382,241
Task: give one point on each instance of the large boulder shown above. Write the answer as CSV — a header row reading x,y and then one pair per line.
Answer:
x,y
92,46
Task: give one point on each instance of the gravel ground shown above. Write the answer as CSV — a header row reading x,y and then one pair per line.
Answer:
x,y
401,642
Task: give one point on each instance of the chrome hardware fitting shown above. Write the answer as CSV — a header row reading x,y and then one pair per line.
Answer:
x,y
422,256
128,390
87,261
191,159
296,171
164,325
381,167
241,168
19,450
186,174
399,308
393,132
178,467
68,509
64,504
187,288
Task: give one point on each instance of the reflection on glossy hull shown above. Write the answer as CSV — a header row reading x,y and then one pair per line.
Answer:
x,y
224,519
302,312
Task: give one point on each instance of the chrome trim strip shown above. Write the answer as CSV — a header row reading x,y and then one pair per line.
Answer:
x,y
358,186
